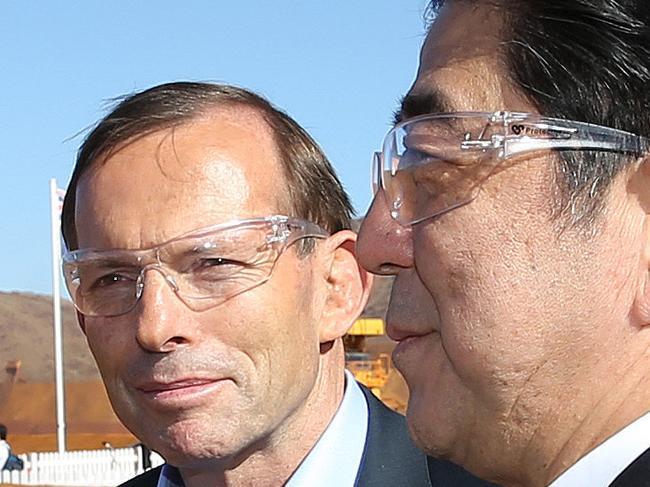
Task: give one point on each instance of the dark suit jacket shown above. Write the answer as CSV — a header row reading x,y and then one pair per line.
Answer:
x,y
389,458
637,474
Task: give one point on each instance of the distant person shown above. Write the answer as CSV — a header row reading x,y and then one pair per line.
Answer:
x,y
213,267
8,460
5,449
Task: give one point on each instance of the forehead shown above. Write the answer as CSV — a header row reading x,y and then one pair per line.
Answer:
x,y
461,64
222,166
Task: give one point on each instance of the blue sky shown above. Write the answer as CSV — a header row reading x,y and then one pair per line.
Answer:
x,y
338,67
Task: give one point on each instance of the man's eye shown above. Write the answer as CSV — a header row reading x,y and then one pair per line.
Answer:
x,y
216,267
413,158
110,280
213,262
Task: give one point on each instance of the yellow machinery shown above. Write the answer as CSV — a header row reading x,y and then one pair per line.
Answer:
x,y
370,371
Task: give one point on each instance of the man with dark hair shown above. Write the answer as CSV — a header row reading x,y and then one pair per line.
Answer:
x,y
512,206
210,258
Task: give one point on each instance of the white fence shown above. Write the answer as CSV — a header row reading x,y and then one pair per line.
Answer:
x,y
84,468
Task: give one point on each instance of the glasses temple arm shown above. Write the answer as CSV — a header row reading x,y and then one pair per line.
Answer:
x,y
515,146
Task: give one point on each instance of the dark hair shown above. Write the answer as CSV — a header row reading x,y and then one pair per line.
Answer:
x,y
585,60
3,432
315,193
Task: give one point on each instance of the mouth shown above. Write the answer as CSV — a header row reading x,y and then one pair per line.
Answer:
x,y
413,345
400,334
408,336
184,393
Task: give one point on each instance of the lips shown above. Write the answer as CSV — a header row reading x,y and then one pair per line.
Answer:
x,y
155,387
400,333
412,350
182,394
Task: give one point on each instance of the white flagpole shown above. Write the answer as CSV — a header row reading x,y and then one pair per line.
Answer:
x,y
55,218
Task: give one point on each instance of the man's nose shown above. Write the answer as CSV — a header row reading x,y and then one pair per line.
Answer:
x,y
384,246
163,320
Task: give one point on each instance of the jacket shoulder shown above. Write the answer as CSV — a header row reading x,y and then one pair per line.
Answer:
x,y
389,457
637,473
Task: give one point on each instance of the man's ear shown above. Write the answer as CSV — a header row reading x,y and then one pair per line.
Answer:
x,y
81,319
348,286
639,188
641,310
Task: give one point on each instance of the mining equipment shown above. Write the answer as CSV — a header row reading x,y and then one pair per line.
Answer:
x,y
372,370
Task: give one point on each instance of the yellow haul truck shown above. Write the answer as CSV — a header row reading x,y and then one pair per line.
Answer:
x,y
371,369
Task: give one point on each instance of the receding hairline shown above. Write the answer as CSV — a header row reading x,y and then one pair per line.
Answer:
x,y
230,108
307,171
238,112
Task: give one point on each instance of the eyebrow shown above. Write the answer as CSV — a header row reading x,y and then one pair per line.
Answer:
x,y
422,103
108,262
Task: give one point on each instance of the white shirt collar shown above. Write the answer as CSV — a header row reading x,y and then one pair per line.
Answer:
x,y
335,458
604,463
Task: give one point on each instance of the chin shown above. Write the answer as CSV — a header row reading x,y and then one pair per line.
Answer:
x,y
432,441
420,430
189,448
431,423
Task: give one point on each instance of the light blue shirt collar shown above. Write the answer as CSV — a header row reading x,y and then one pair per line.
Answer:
x,y
335,458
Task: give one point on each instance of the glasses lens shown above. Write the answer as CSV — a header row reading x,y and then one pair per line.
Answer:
x,y
432,165
216,266
376,172
102,288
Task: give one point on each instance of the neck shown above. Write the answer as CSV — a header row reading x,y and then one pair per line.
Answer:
x,y
274,459
576,426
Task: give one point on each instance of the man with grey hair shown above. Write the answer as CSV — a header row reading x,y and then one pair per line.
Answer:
x,y
212,264
512,207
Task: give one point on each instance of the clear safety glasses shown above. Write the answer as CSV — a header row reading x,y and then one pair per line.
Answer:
x,y
205,267
432,164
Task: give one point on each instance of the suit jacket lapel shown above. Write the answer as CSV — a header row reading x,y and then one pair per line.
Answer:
x,y
389,459
637,474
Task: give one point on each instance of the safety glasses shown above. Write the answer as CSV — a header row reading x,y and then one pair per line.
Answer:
x,y
204,267
432,164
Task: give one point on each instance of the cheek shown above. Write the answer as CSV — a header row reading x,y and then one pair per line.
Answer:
x,y
486,303
114,349
106,341
274,325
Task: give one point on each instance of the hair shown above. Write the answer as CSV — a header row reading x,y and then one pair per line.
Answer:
x,y
584,60
315,193
3,432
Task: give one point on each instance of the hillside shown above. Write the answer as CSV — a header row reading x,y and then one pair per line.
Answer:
x,y
26,334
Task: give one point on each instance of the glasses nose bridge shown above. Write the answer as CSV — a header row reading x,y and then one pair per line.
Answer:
x,y
162,269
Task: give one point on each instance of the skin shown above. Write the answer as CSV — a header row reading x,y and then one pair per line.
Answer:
x,y
513,333
270,360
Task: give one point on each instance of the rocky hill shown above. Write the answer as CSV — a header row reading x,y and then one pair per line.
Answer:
x,y
26,334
